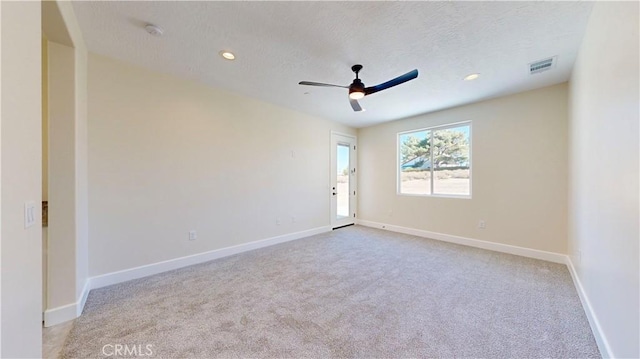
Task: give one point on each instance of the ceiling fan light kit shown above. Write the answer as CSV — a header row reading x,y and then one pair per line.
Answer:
x,y
356,94
357,89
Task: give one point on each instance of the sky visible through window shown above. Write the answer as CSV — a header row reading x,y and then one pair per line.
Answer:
x,y
343,158
342,181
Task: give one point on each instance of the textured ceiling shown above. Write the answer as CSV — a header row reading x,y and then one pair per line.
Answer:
x,y
278,44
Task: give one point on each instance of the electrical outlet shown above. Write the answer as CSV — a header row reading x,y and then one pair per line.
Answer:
x,y
278,221
482,224
193,235
293,219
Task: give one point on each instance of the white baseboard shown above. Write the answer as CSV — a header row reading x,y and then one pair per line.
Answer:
x,y
160,267
497,247
83,297
601,339
67,312
60,314
71,311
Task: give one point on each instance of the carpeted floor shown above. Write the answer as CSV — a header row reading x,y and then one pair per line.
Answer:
x,y
354,292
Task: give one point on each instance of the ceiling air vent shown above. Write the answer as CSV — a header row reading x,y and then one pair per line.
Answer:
x,y
542,65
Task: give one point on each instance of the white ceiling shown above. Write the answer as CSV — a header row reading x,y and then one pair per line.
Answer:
x,y
278,44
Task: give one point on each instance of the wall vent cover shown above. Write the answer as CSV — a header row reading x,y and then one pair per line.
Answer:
x,y
542,65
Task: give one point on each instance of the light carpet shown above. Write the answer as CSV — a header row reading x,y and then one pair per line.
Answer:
x,y
353,292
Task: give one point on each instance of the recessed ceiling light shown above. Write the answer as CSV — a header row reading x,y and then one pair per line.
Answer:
x,y
227,55
154,29
471,77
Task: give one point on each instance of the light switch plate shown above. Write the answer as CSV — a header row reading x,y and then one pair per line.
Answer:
x,y
29,214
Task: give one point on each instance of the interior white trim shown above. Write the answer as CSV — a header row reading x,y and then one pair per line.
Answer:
x,y
497,247
160,267
71,311
601,339
83,297
67,312
343,134
60,314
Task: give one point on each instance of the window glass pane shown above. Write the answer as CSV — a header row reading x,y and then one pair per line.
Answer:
x,y
451,169
415,163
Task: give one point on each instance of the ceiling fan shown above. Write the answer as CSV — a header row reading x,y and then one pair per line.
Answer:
x,y
357,89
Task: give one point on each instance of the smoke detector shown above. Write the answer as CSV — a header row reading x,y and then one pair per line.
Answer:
x,y
154,30
542,65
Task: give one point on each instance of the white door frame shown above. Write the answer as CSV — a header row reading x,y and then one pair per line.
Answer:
x,y
350,140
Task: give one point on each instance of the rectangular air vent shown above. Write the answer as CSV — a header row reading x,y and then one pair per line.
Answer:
x,y
542,65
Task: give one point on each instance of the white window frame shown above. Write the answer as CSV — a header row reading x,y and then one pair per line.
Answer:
x,y
434,128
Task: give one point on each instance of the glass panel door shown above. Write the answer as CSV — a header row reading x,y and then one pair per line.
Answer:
x,y
343,180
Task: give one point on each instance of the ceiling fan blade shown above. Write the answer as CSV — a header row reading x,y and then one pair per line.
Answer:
x,y
397,81
355,105
309,83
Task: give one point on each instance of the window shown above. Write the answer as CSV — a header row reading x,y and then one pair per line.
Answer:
x,y
435,161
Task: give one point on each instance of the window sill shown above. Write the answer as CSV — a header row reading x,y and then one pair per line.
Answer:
x,y
461,196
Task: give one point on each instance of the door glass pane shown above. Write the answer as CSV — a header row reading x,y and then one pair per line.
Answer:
x,y
415,163
343,181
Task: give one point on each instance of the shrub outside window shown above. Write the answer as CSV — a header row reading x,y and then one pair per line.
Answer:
x,y
435,161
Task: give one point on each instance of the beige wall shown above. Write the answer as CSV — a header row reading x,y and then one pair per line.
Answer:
x,y
68,213
82,161
45,119
80,136
45,162
604,209
519,175
21,161
168,155
62,158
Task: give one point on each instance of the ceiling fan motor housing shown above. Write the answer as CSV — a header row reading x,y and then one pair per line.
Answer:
x,y
356,87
